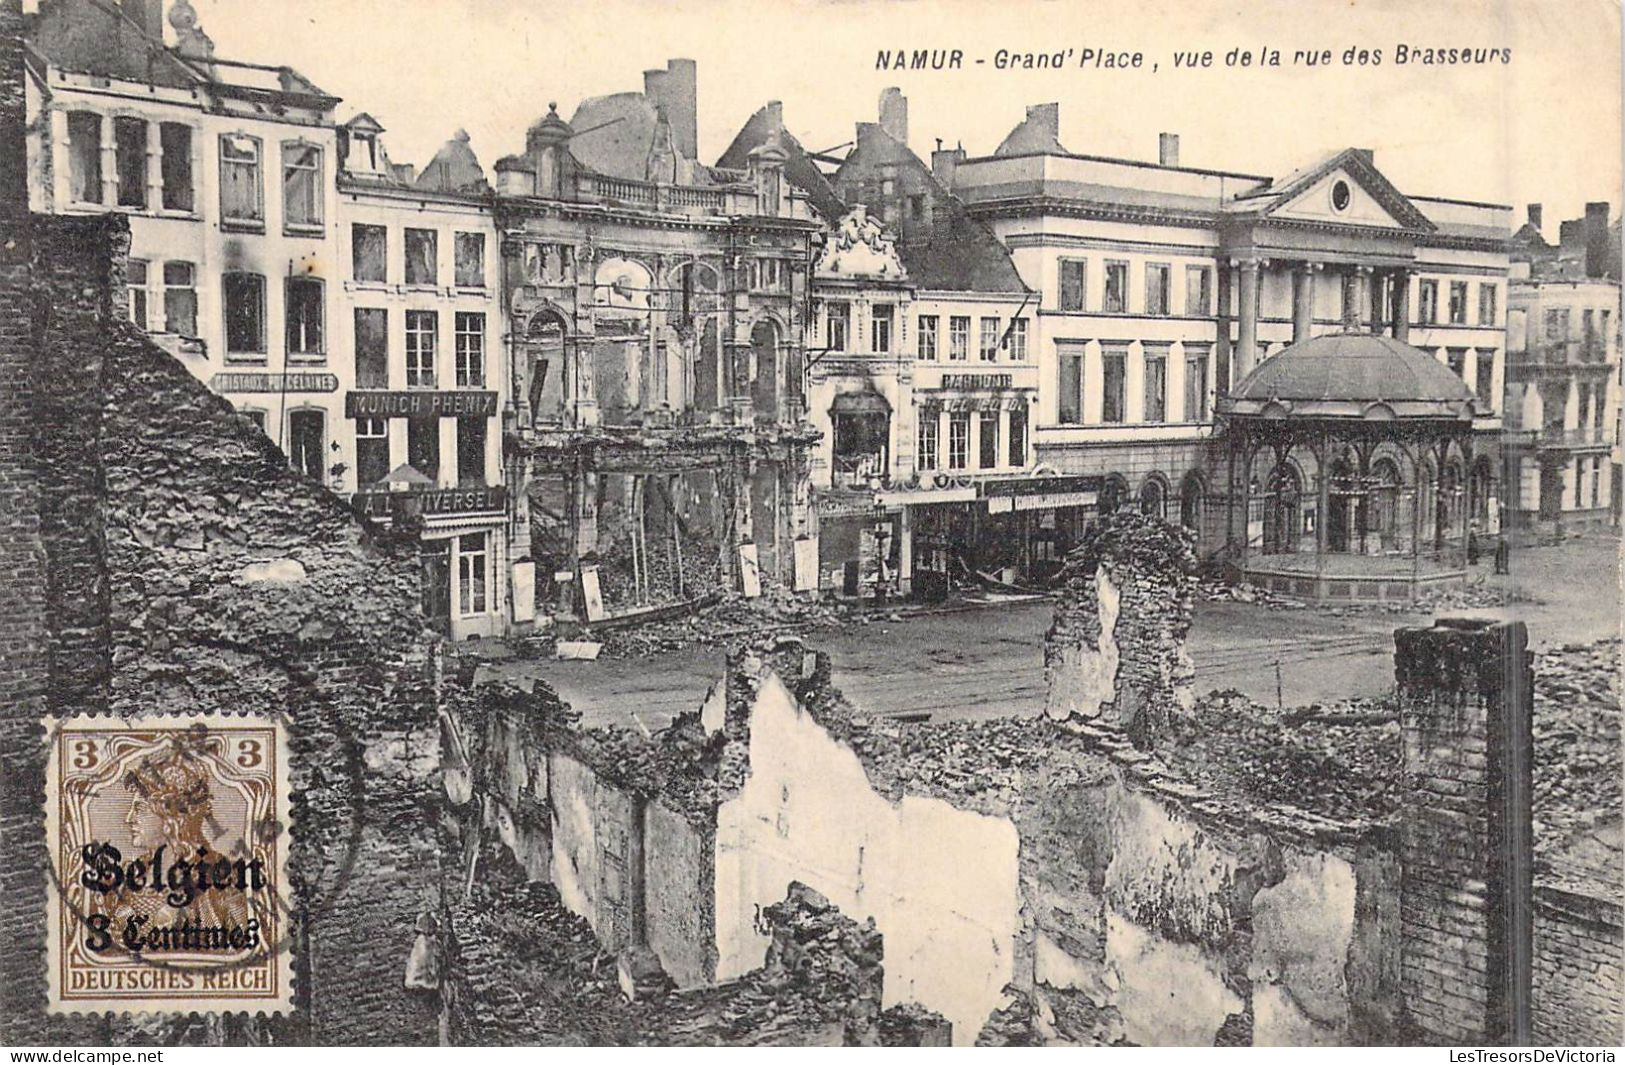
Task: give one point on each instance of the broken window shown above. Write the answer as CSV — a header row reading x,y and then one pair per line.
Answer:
x,y
471,573
471,451
1072,279
175,165
988,444
767,274
180,298
244,297
242,196
1156,387
85,156
307,440
880,327
304,316
1018,435
1115,300
135,282
958,440
255,416
371,347
420,257
130,156
470,349
371,450
421,327
1156,288
469,252
1112,386
927,337
369,252
423,446
988,349
301,186
959,337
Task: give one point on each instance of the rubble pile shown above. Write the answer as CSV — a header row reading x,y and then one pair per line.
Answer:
x,y
729,618
1338,761
1577,764
1213,590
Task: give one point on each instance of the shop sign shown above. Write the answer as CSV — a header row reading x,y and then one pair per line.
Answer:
x,y
976,380
259,381
432,502
1030,486
424,404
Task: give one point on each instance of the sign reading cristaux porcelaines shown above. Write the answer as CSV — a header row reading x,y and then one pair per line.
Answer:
x,y
169,843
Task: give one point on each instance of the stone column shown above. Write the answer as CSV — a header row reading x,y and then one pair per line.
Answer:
x,y
1246,355
1402,305
1465,704
1303,301
1379,288
1222,352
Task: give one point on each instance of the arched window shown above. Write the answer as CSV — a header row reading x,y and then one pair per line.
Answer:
x,y
544,343
1113,493
1154,498
1190,501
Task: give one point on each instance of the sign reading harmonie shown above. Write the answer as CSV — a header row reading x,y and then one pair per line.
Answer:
x,y
424,404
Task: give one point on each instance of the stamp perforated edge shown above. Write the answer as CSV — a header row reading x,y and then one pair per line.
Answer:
x,y
282,954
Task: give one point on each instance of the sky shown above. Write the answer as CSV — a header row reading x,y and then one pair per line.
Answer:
x,y
1543,127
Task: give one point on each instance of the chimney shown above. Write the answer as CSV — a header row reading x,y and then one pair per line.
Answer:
x,y
894,114
945,162
1046,118
1596,236
148,14
1534,212
1168,149
680,87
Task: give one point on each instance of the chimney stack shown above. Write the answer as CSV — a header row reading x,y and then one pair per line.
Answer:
x,y
1168,149
1534,212
894,114
148,14
1046,118
945,162
675,91
1597,238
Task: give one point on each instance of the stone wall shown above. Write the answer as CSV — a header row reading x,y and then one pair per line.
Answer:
x,y
1578,994
186,568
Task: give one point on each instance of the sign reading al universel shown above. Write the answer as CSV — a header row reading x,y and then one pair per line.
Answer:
x,y
424,404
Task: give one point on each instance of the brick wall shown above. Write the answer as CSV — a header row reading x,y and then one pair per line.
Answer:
x,y
1579,949
169,559
1465,702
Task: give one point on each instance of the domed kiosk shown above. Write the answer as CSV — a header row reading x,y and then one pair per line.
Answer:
x,y
1350,471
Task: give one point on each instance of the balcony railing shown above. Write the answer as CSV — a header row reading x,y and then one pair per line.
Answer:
x,y
647,194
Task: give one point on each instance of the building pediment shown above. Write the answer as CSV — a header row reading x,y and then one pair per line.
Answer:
x,y
1345,189
859,248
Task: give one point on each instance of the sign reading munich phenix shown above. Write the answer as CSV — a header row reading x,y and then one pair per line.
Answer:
x,y
425,404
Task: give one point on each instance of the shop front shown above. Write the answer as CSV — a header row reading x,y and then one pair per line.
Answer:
x,y
462,541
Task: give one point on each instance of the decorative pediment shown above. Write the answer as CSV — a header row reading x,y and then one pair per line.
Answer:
x,y
859,248
1345,189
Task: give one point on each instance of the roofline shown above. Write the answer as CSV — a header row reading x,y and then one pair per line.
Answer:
x,y
350,185
1461,203
1124,162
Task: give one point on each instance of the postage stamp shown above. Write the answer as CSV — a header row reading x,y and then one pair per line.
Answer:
x,y
169,840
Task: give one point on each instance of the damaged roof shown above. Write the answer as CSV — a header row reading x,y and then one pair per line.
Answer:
x,y
799,167
454,168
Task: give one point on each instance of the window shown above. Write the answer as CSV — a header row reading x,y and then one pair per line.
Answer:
x,y
1557,334
1112,394
959,337
135,283
767,274
838,317
1018,435
244,297
130,157
1195,385
880,327
1018,339
927,336
1596,482
1069,391
421,255
471,451
916,207
255,416
371,347
988,445
1156,387
926,459
371,450
1072,284
468,251
369,252
1458,303
175,165
470,349
304,317
988,349
421,327
242,197
471,565
1486,303
1156,288
301,186
85,156
1427,303
307,441
1486,377
1456,359
423,446
1198,290
1115,300
180,299
958,439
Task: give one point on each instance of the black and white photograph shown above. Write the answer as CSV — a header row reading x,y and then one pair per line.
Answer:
x,y
818,523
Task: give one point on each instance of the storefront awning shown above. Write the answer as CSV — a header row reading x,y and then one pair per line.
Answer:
x,y
865,402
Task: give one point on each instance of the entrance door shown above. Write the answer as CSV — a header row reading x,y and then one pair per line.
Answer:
x,y
436,560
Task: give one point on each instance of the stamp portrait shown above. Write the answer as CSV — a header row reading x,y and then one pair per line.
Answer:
x,y
169,842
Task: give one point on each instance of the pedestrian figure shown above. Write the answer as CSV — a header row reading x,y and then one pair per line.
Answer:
x,y
1503,557
1472,547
